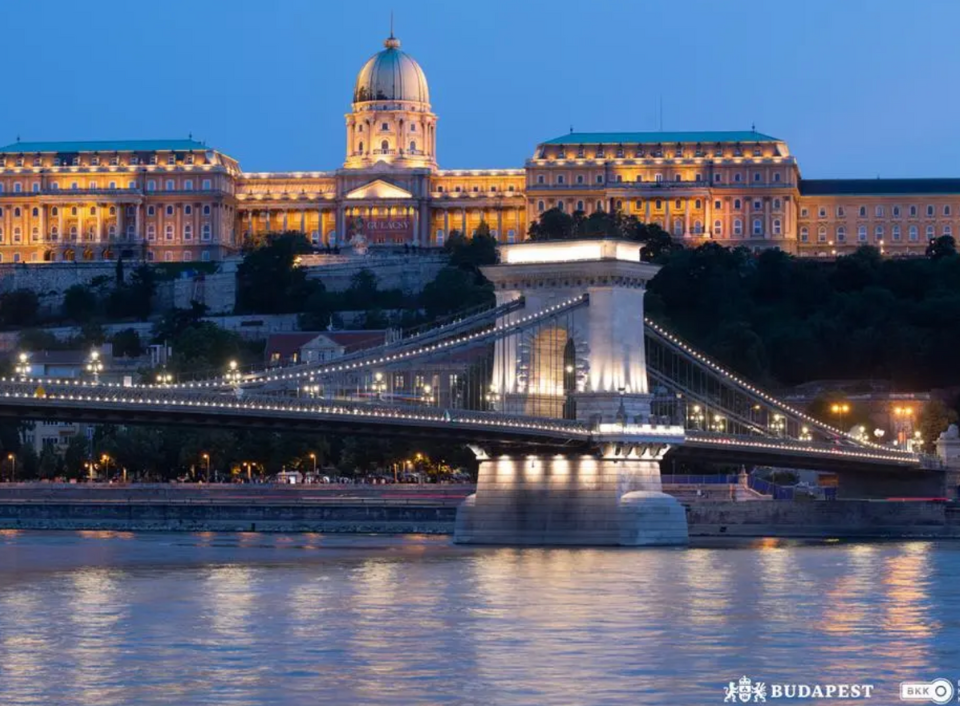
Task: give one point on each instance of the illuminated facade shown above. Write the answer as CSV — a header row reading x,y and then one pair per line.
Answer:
x,y
179,200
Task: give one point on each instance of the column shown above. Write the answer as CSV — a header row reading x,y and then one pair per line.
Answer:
x,y
766,218
285,220
303,221
178,227
520,235
667,225
61,235
646,211
416,224
500,224
446,223
463,221
708,216
79,226
43,223
137,234
341,224
686,217
99,236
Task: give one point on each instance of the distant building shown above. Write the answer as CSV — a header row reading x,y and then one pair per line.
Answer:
x,y
319,346
180,200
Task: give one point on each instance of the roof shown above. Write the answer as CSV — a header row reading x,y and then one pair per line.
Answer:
x,y
391,75
106,146
824,187
285,345
591,138
355,340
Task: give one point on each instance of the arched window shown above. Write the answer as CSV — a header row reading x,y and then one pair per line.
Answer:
x,y
580,205
698,204
822,234
205,231
361,147
384,146
718,227
757,226
540,206
698,227
737,226
36,213
841,234
53,211
776,226
862,234
914,233
413,145
560,206
16,213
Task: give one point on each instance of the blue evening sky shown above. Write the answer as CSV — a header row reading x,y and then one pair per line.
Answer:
x,y
856,87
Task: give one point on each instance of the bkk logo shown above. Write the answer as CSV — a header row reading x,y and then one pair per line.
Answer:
x,y
747,691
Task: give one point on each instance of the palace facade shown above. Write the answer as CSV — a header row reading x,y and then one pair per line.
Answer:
x,y
181,201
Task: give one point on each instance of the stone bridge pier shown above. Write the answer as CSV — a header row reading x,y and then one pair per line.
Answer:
x,y
588,365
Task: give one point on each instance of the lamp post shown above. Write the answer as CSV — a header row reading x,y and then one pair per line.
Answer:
x,y
23,366
840,409
426,395
879,434
903,417
164,378
779,424
105,460
95,366
206,461
379,385
233,373
313,457
805,434
697,417
493,397
917,442
13,467
719,423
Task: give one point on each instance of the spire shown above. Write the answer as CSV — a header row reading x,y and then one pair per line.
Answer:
x,y
392,42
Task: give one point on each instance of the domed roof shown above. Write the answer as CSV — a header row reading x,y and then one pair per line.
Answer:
x,y
391,75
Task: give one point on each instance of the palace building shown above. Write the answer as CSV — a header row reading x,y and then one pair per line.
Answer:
x,y
181,201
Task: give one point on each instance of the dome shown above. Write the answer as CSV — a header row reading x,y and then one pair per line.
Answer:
x,y
391,75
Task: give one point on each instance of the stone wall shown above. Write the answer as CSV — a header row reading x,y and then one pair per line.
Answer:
x,y
405,272
839,518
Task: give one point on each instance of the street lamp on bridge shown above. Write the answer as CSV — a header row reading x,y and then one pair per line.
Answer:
x,y
206,461
313,457
779,424
379,385
697,417
164,378
903,416
493,397
13,467
426,394
840,409
95,366
233,373
23,365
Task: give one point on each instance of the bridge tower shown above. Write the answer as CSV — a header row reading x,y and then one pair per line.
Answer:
x,y
587,365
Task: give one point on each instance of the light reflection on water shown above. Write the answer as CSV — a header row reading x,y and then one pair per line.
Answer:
x,y
248,619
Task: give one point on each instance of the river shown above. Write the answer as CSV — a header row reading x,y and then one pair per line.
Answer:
x,y
250,619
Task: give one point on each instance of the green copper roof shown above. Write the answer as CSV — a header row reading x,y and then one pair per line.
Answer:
x,y
106,146
594,138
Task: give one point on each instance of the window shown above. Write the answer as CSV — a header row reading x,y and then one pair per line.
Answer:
x,y
169,210
92,185
736,204
840,212
16,212
658,204
560,178
756,176
511,235
170,185
619,205
914,233
579,178
53,211
16,234
207,185
776,204
151,232
188,185
384,146
878,233
171,159
862,212
540,206
188,232
930,210
757,226
896,212
360,147
205,256
17,187
620,179
187,256
822,234
168,257
718,227
35,213
804,212
698,227
384,126
913,211
776,226
206,209
878,211
947,229
677,178
187,210
560,206
737,227
895,230
168,232
737,178
151,210
36,188
776,176
841,234
658,178
804,235
716,178
930,233
717,205
580,205
16,257
540,178
698,204
151,185
599,178
861,234
946,209
757,205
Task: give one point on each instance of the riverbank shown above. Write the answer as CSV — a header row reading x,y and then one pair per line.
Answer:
x,y
426,509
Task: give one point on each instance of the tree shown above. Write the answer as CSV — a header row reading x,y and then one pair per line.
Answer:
x,y
126,343
471,253
934,419
454,289
553,224
75,455
80,304
944,246
269,280
19,308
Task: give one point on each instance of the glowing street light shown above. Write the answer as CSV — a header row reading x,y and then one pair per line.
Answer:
x,y
313,457
840,409
805,434
493,397
23,365
233,373
13,467
779,424
206,460
95,366
426,394
164,378
697,416
379,385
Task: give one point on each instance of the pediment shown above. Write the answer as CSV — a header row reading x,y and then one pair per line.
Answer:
x,y
379,189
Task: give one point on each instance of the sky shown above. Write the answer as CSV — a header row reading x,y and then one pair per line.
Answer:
x,y
857,88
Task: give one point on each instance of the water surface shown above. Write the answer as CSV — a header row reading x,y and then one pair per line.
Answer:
x,y
243,619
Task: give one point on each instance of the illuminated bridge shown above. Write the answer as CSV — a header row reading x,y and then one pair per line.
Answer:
x,y
567,395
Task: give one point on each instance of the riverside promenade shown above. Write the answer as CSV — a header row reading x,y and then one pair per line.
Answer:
x,y
418,509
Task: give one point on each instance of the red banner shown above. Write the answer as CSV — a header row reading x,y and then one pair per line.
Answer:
x,y
381,229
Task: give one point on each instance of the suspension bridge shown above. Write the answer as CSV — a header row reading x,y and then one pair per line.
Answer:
x,y
569,397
